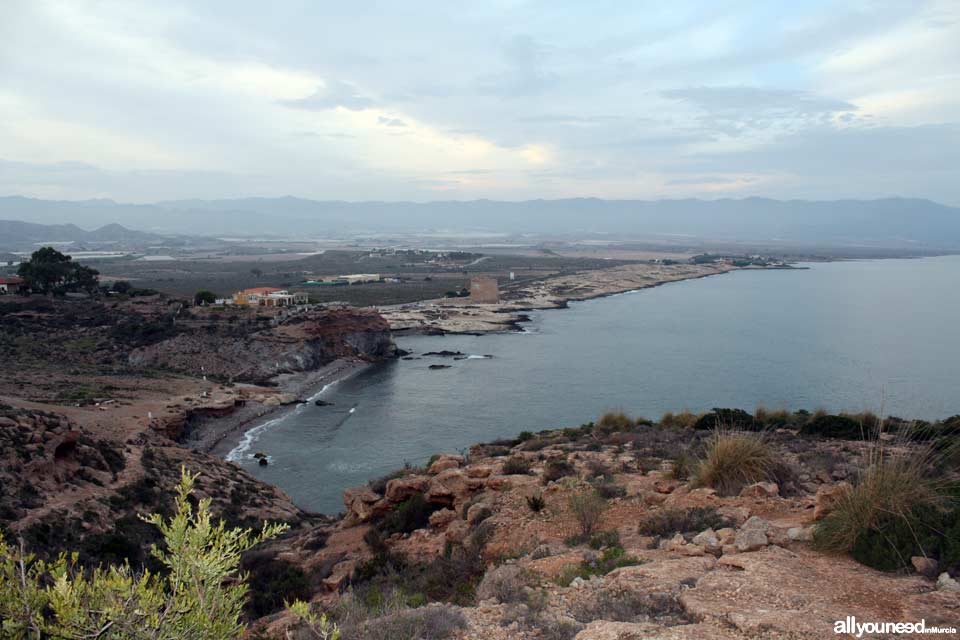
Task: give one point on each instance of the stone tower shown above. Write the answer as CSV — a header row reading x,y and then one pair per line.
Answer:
x,y
484,290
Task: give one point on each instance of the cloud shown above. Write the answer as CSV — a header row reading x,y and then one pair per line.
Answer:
x,y
391,122
737,110
332,95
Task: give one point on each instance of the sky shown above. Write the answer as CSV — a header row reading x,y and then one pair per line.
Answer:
x,y
146,101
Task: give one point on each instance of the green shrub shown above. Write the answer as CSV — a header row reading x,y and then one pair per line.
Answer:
x,y
683,466
896,510
536,503
273,582
408,516
516,465
199,595
557,468
611,558
667,522
726,419
601,539
609,490
832,426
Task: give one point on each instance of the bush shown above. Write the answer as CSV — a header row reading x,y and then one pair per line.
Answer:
x,y
408,516
683,466
516,465
615,421
611,558
557,468
273,582
895,511
668,522
630,606
505,583
726,419
374,614
199,594
602,539
609,490
588,508
831,426
736,459
536,503
683,420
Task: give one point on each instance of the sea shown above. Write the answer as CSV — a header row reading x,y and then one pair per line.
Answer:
x,y
879,335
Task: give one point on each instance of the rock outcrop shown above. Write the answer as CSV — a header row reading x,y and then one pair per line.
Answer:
x,y
303,342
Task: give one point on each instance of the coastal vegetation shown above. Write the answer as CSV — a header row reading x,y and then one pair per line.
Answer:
x,y
197,592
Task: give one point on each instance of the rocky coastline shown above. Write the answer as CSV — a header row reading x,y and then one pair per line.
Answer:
x,y
454,316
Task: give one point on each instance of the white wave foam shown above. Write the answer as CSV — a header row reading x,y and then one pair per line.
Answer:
x,y
242,450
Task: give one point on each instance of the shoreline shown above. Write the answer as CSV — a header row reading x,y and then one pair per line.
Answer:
x,y
442,317
220,436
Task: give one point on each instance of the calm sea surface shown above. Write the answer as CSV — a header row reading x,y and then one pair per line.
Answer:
x,y
879,335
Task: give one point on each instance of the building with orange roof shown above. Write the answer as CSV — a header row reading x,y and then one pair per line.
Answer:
x,y
269,297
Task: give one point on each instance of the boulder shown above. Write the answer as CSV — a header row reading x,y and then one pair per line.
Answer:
x,y
756,522
478,512
726,535
339,577
443,517
608,630
708,541
400,489
444,462
451,487
760,490
800,534
456,531
361,504
750,540
946,583
827,498
479,471
498,483
925,566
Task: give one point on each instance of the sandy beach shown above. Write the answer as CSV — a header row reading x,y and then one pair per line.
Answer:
x,y
220,435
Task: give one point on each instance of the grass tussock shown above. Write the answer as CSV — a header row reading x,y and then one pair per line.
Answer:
x,y
896,509
684,420
612,421
735,459
667,522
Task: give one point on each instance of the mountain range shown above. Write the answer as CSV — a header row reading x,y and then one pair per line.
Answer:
x,y
16,234
889,222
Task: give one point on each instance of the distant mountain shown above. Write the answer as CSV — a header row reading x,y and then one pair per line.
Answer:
x,y
15,234
890,222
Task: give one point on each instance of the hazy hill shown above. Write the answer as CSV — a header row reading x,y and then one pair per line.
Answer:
x,y
15,234
891,222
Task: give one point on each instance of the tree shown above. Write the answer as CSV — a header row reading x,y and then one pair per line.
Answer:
x,y
122,286
200,597
256,272
203,297
49,271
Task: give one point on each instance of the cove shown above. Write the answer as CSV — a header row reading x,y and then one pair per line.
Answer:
x,y
881,335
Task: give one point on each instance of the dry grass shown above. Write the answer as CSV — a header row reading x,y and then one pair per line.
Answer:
x,y
894,482
587,508
685,419
615,421
735,459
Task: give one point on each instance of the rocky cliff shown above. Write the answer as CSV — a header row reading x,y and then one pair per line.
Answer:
x,y
303,342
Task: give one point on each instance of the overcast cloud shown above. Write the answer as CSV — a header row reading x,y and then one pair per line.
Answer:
x,y
142,101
